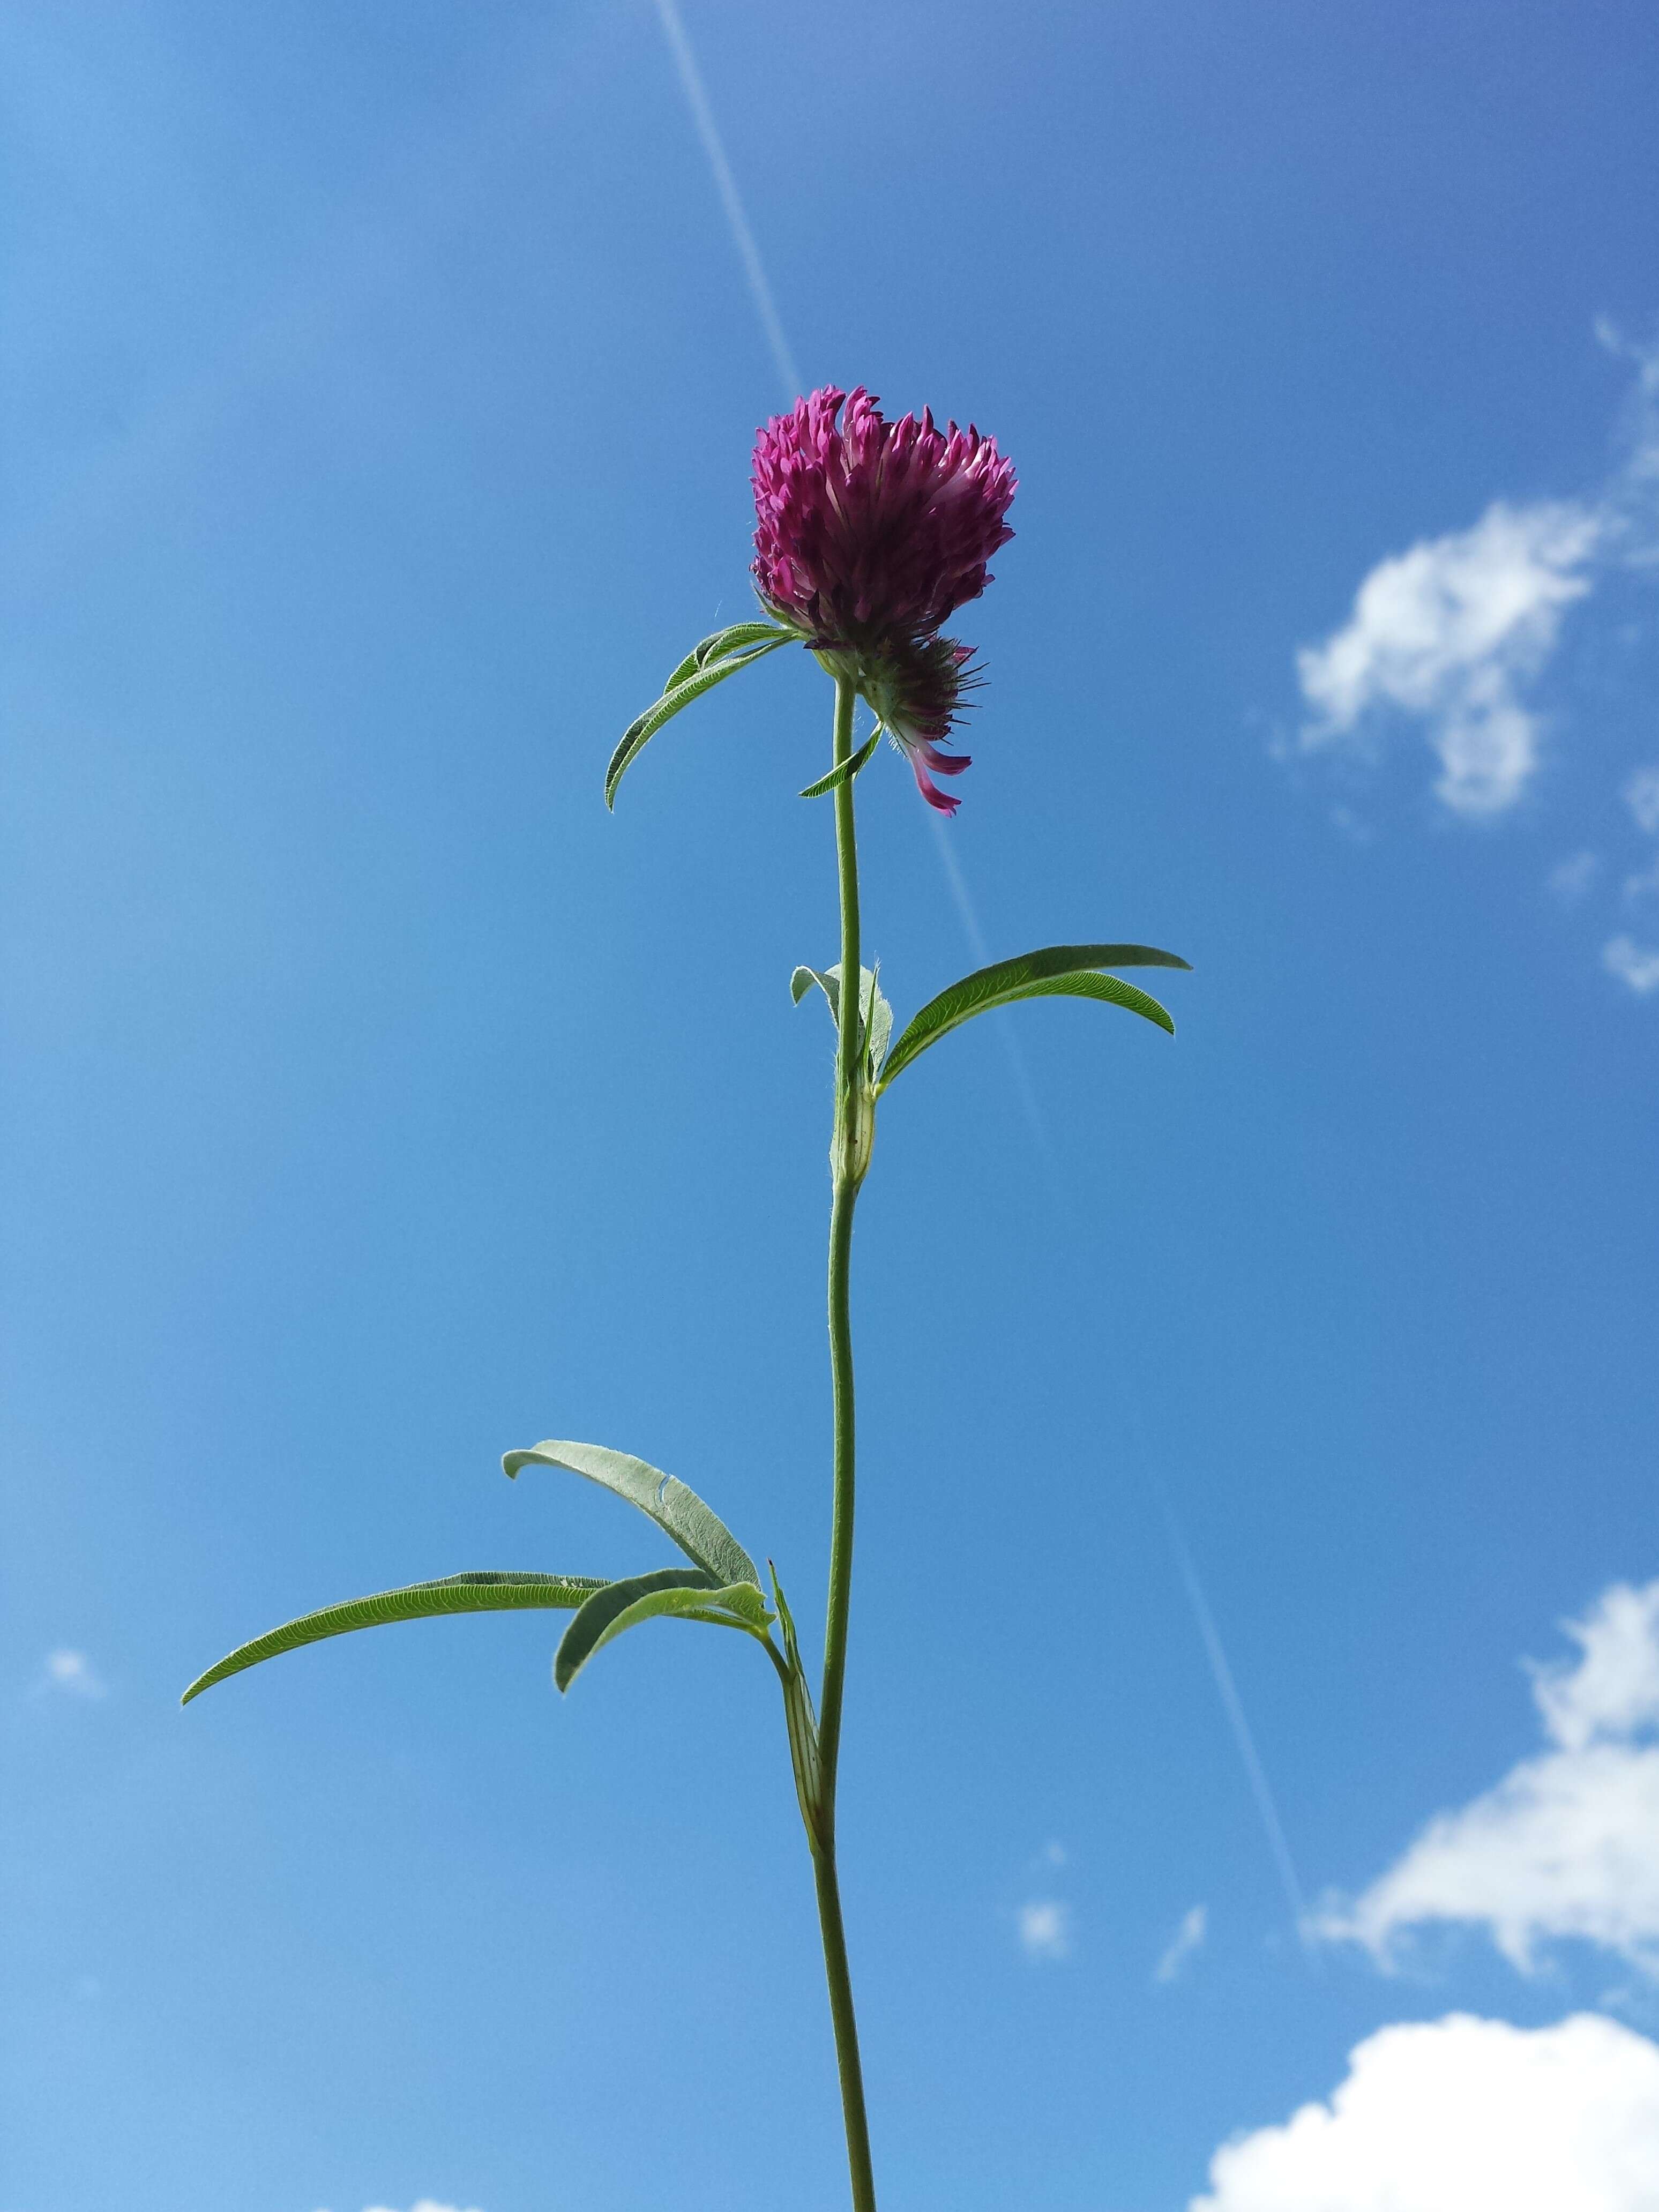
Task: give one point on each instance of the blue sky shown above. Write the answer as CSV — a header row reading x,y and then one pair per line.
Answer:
x,y
377,393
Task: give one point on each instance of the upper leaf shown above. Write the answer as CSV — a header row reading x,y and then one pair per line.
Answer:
x,y
718,644
679,1512
683,1590
479,1593
1059,970
704,675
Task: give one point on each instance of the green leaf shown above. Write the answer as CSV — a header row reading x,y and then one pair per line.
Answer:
x,y
877,1014
480,1593
803,979
680,1513
1059,970
848,770
685,1591
715,646
799,1718
877,1023
640,733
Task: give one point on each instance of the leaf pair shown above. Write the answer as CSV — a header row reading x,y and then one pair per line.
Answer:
x,y
721,1586
719,655
1070,971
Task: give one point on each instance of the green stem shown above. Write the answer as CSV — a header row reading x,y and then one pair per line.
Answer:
x,y
840,1979
848,1155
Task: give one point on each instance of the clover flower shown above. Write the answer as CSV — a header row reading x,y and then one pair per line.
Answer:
x,y
869,534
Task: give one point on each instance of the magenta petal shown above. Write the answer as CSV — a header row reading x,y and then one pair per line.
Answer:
x,y
870,526
946,802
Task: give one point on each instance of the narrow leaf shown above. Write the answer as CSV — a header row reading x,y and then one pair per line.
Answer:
x,y
479,1593
877,1023
685,1591
1059,970
679,1512
720,642
640,731
799,1719
847,769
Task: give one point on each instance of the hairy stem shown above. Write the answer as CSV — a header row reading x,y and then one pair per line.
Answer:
x,y
849,1156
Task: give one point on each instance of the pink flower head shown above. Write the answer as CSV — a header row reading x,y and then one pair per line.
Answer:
x,y
869,534
874,529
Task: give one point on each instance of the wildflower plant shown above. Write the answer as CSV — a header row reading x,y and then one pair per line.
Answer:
x,y
869,536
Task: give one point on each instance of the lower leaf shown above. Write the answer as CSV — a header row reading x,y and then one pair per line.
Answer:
x,y
478,1593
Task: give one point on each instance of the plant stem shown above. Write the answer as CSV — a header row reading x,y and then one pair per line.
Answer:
x,y
848,1155
845,1191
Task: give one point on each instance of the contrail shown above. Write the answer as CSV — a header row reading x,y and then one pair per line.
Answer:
x,y
1036,1118
1227,1690
748,253
696,99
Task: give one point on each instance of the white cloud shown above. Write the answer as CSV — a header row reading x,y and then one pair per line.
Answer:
x,y
1613,1688
70,1673
426,2204
1632,964
1567,1843
1641,797
1570,879
1045,1928
1451,632
1187,1938
1464,2115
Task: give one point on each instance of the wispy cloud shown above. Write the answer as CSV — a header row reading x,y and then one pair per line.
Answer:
x,y
1564,1846
1573,878
1637,965
425,2204
69,1675
1187,1938
1453,635
1641,797
1460,2114
1045,1928
1632,964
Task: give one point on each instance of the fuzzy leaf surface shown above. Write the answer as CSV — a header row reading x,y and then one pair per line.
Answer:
x,y
873,1009
848,770
678,1511
735,638
476,1593
685,1592
640,733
